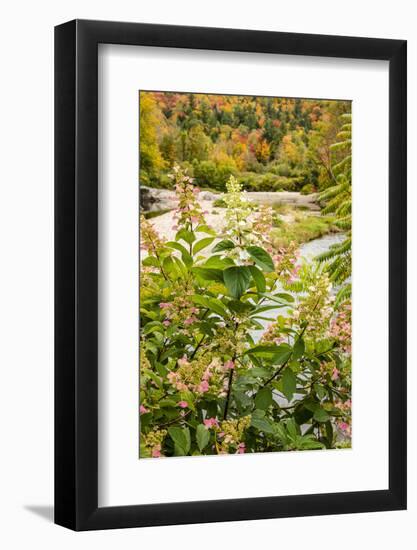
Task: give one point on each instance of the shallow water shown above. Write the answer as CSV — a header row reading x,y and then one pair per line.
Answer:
x,y
318,246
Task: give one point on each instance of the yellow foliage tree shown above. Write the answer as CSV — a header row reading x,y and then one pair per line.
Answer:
x,y
151,160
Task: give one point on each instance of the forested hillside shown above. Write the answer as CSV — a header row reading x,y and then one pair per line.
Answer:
x,y
269,144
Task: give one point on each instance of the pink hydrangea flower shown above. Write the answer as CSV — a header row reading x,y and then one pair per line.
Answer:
x,y
166,323
241,448
195,219
156,451
211,422
143,409
183,404
190,321
229,364
203,387
164,305
207,374
335,374
344,426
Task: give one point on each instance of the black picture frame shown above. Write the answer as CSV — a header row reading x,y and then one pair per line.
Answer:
x,y
76,272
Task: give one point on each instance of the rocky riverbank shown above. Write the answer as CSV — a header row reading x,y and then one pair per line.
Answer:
x,y
153,200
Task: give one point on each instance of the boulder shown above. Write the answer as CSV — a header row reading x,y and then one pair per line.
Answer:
x,y
152,200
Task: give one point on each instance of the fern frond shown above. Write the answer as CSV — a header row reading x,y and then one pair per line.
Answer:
x,y
333,191
345,208
343,165
335,250
334,204
344,223
295,286
345,293
342,271
344,135
341,145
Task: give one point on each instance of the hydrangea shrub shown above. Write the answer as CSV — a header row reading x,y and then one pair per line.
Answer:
x,y
243,348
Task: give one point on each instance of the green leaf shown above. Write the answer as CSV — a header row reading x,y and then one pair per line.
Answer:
x,y
210,303
308,442
263,399
277,298
202,436
281,432
223,245
218,262
185,255
262,424
170,267
208,273
284,296
320,415
320,390
277,354
243,402
185,235
182,440
261,257
262,309
154,377
203,243
205,229
167,403
289,383
311,404
180,266
282,356
237,280
258,277
239,307
302,414
329,433
298,350
152,326
259,372
150,261
264,350
292,428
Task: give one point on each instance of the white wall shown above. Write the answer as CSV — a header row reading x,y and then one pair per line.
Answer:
x,y
26,292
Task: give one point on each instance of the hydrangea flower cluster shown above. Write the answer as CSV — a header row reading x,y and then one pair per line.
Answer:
x,y
149,238
231,435
188,214
341,327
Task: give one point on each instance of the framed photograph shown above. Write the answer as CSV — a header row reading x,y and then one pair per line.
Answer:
x,y
230,253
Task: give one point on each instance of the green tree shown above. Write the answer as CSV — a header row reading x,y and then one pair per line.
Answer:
x,y
198,145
